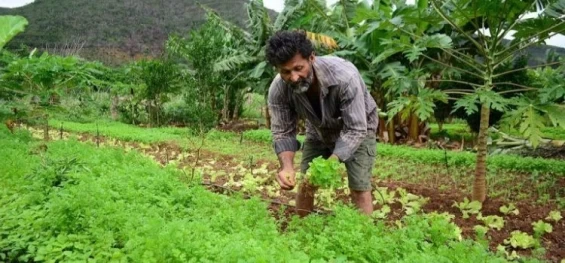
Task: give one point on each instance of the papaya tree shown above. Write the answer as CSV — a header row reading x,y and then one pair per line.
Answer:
x,y
486,25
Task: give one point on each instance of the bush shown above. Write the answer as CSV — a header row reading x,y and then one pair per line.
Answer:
x,y
186,110
132,111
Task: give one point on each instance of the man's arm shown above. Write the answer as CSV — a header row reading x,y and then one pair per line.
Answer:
x,y
352,100
283,119
283,128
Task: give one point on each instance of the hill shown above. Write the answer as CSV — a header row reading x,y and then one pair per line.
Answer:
x,y
115,28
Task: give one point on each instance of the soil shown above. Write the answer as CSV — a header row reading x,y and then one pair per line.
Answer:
x,y
439,200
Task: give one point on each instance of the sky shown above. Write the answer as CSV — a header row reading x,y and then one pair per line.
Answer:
x,y
276,5
14,3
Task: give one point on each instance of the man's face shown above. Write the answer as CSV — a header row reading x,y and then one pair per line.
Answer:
x,y
298,73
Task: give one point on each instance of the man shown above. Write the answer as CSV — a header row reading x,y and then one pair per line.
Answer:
x,y
341,116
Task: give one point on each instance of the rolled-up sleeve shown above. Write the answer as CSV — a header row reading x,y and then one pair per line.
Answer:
x,y
352,101
283,119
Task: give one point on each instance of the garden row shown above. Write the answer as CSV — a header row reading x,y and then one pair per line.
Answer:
x,y
68,201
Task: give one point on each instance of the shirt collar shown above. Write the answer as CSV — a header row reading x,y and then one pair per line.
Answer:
x,y
322,71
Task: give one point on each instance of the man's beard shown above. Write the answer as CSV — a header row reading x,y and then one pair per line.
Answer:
x,y
302,85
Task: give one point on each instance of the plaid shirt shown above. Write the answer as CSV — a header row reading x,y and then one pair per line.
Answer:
x,y
349,113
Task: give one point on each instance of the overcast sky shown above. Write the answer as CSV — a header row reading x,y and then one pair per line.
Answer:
x,y
276,5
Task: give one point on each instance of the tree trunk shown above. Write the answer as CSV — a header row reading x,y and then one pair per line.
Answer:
x,y
414,128
267,117
480,184
238,102
46,129
267,114
225,109
391,132
114,107
158,112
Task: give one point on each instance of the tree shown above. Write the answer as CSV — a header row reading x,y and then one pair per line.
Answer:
x,y
484,24
160,76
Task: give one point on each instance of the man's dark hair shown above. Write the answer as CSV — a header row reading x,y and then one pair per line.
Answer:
x,y
284,45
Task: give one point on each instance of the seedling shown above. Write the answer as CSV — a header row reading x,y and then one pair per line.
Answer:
x,y
541,228
467,207
411,203
495,222
381,213
519,239
383,196
510,209
554,216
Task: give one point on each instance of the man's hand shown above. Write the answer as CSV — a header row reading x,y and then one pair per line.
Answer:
x,y
334,157
286,179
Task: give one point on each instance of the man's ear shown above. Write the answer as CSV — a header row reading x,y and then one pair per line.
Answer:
x,y
312,57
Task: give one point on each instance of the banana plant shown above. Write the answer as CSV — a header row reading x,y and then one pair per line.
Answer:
x,y
389,42
10,26
485,25
249,56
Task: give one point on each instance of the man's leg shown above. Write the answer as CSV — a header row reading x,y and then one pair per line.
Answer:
x,y
359,172
363,200
305,197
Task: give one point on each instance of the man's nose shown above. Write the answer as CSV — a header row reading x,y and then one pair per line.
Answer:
x,y
294,77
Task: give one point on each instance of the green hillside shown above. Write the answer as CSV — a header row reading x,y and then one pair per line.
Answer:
x,y
115,27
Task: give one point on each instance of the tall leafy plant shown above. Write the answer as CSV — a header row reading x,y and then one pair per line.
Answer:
x,y
484,25
10,26
161,77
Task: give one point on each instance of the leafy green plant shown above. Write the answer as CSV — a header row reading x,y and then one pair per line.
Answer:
x,y
509,209
480,231
540,228
383,196
510,256
492,221
382,212
325,173
519,239
554,215
485,94
411,203
468,207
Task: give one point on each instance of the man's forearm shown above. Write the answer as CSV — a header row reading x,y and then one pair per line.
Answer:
x,y
286,160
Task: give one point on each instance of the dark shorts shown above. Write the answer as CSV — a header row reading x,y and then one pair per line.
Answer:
x,y
359,167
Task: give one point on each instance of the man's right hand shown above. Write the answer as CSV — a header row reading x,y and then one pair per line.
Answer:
x,y
286,179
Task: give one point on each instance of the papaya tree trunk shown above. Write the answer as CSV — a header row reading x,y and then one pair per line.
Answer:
x,y
414,128
480,184
391,132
